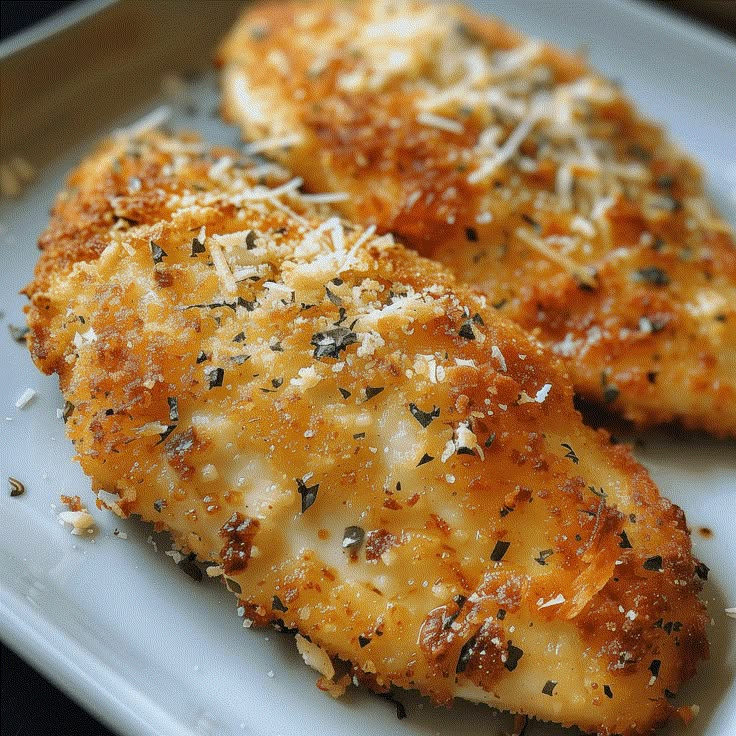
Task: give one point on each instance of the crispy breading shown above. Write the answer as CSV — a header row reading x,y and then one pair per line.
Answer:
x,y
528,174
365,449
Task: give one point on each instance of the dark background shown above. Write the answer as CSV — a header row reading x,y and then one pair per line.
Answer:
x,y
29,704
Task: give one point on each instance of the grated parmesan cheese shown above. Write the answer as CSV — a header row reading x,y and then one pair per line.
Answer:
x,y
25,398
437,121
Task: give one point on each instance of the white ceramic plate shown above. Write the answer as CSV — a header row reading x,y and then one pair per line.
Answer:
x,y
119,627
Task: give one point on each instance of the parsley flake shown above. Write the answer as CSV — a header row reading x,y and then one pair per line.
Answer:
x,y
652,275
277,605
423,417
371,391
653,563
352,537
499,550
216,376
157,252
197,248
330,343
308,493
466,330
543,556
513,655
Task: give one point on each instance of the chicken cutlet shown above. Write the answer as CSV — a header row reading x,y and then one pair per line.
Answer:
x,y
367,452
532,177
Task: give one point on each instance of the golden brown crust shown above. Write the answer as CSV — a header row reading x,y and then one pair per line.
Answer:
x,y
525,172
361,445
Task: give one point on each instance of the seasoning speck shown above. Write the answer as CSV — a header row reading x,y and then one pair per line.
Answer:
x,y
371,391
330,343
197,247
308,493
652,275
549,687
499,550
702,570
190,567
543,556
423,417
465,654
466,330
352,537
157,252
18,333
216,376
513,655
653,563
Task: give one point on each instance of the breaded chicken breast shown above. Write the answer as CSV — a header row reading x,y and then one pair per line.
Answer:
x,y
367,451
515,164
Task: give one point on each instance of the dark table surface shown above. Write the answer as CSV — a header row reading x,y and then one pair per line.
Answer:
x,y
29,704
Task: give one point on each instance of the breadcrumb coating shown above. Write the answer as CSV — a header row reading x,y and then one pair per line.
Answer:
x,y
368,453
527,173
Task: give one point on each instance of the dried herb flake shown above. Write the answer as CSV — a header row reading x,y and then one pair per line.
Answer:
x,y
543,556
652,275
423,417
16,487
197,248
308,493
216,376
330,343
157,252
499,550
371,391
466,330
513,655
702,570
353,537
18,333
465,655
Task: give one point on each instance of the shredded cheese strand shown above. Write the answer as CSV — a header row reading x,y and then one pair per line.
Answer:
x,y
578,272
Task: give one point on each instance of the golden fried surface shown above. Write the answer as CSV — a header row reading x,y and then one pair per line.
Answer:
x,y
513,163
367,452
